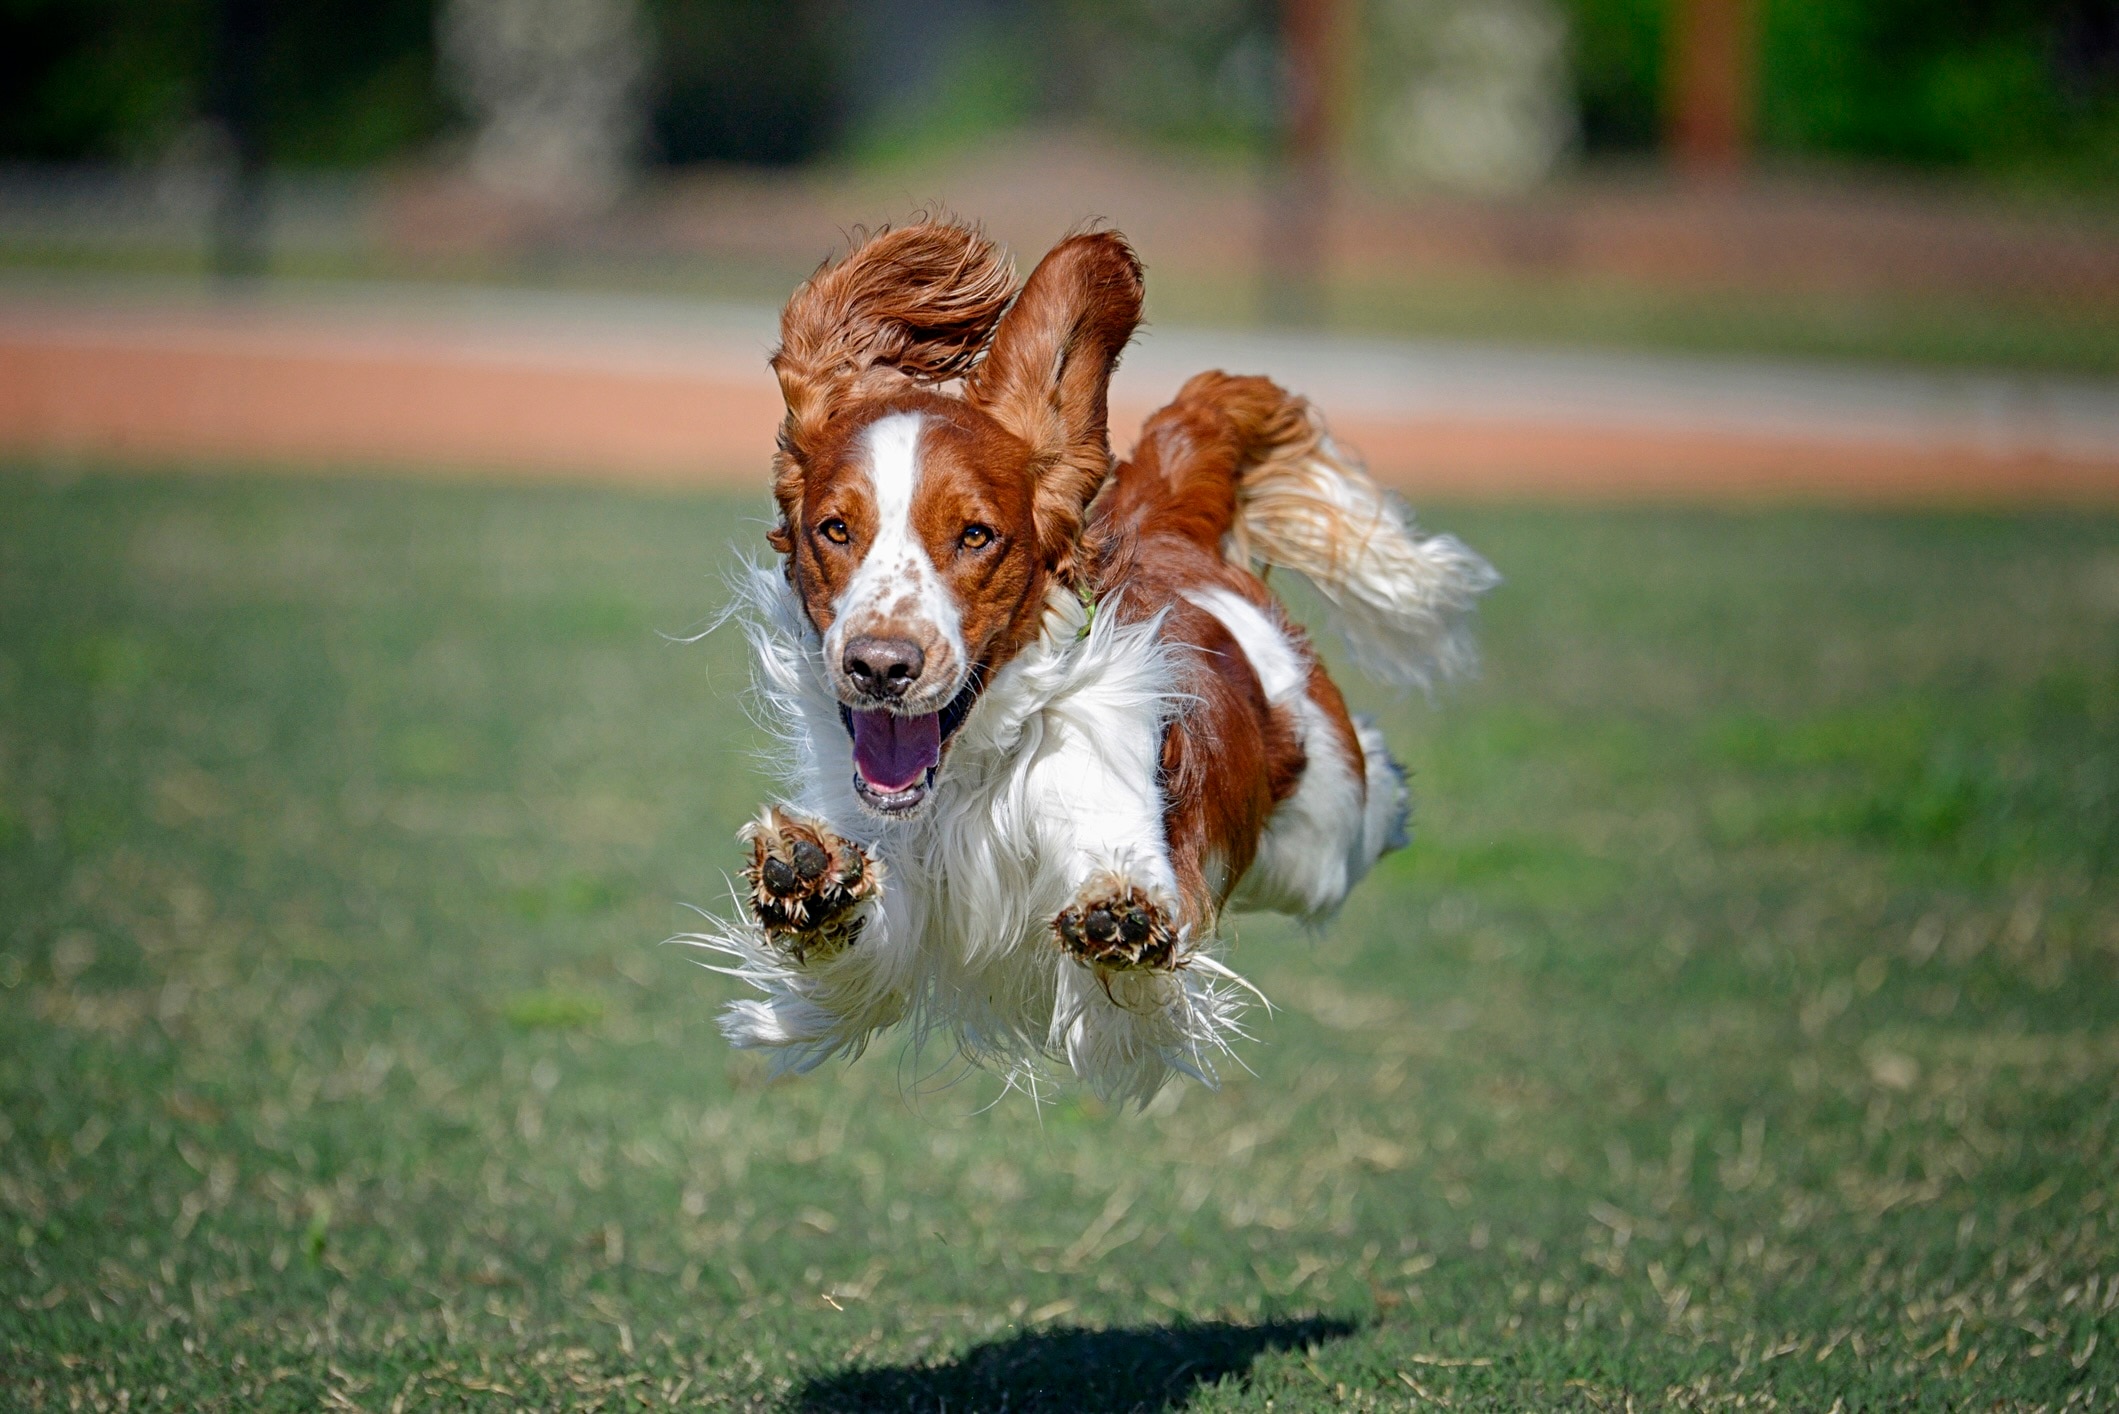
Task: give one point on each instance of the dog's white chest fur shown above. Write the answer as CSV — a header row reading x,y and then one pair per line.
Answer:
x,y
1051,780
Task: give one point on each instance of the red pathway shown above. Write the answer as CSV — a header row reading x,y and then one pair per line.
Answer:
x,y
664,392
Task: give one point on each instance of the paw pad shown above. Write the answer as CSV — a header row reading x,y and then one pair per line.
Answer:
x,y
804,882
1115,925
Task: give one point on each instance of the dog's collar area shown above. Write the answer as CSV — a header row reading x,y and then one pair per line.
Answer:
x,y
906,798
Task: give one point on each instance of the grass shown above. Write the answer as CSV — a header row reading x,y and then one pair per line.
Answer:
x,y
1742,1030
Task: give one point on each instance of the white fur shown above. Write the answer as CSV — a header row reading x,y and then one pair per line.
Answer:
x,y
1051,778
1387,811
1322,839
896,591
1281,671
1401,599
1308,857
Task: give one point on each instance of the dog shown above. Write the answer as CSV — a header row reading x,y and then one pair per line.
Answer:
x,y
1045,722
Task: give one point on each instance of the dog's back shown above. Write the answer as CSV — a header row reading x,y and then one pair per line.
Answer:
x,y
1246,470
1277,794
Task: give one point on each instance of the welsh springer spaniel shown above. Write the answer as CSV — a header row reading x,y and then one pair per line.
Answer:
x,y
1046,721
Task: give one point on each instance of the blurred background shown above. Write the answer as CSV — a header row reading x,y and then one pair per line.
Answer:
x,y
1819,175
591,208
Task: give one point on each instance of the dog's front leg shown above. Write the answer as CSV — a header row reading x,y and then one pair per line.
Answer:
x,y
1117,925
1105,807
806,883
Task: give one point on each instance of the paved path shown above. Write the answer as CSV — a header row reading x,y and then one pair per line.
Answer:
x,y
674,391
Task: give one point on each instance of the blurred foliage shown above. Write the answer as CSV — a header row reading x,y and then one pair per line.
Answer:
x,y
1195,71
351,82
922,79
98,78
741,81
342,82
1618,65
1997,85
1992,84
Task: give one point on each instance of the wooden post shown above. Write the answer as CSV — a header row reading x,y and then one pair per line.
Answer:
x,y
1710,68
239,214
1298,203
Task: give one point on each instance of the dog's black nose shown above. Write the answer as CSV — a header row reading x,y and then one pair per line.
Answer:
x,y
884,667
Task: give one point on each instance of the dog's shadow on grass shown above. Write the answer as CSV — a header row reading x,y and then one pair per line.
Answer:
x,y
1138,1368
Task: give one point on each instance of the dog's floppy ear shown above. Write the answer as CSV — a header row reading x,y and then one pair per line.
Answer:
x,y
1047,374
906,307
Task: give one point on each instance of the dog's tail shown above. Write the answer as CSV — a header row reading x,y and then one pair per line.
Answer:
x,y
1401,599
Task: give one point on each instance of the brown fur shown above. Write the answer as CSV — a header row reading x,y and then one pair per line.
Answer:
x,y
1158,530
906,308
976,473
1026,451
1048,373
1022,452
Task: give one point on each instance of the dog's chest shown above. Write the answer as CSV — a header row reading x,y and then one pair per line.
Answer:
x,y
987,869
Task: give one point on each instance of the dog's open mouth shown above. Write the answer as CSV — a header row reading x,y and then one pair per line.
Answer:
x,y
895,756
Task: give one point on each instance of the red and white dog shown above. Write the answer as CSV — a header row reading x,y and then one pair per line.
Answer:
x,y
1046,720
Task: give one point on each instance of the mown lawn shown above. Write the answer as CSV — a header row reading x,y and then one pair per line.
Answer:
x,y
1741,1031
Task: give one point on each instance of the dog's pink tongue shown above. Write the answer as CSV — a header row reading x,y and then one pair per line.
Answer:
x,y
893,753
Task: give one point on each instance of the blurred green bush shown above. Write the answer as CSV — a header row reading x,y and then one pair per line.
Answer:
x,y
2004,86
341,82
2007,87
1994,84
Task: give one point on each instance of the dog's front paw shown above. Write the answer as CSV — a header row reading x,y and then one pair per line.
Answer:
x,y
804,882
1114,924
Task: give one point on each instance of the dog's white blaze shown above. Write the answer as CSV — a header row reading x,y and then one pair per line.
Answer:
x,y
896,587
1280,672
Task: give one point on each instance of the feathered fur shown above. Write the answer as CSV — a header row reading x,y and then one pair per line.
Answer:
x,y
1400,599
971,880
1113,728
1049,372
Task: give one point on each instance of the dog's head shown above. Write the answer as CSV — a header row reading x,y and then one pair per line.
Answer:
x,y
923,529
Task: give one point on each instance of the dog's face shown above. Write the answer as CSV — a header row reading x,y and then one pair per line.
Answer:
x,y
923,531
917,559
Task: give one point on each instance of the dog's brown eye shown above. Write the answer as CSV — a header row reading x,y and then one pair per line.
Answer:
x,y
975,537
835,531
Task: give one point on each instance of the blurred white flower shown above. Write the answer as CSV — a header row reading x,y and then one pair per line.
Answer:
x,y
555,89
1475,95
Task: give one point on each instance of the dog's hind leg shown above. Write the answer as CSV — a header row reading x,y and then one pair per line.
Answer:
x,y
1349,807
806,883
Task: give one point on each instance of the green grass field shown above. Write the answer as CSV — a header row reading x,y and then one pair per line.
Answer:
x,y
1742,1030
